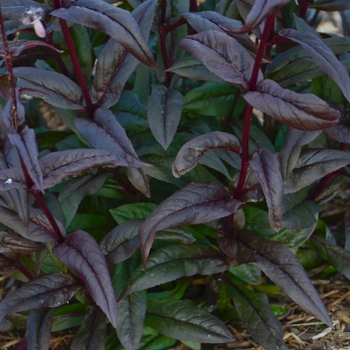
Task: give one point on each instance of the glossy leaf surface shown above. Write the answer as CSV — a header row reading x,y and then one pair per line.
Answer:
x,y
184,321
196,203
192,151
84,258
303,112
50,290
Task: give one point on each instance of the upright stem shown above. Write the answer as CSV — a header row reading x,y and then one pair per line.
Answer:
x,y
8,60
76,64
303,8
58,57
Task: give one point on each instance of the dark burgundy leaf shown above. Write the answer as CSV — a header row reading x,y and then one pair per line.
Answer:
x,y
182,320
92,334
115,65
7,112
130,320
139,179
119,24
55,88
27,148
260,11
289,154
59,166
267,169
83,256
331,5
39,325
303,112
281,266
175,261
340,133
336,256
322,56
254,311
313,165
196,203
17,46
12,178
164,113
223,55
192,151
13,243
50,290
14,9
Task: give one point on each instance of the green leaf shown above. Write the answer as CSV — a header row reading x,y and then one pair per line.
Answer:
x,y
257,221
127,212
172,262
152,340
212,99
184,321
249,273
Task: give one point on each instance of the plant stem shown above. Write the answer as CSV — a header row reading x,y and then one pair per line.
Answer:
x,y
58,57
8,60
303,8
76,64
20,268
57,232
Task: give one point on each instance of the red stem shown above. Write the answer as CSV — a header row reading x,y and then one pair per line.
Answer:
x,y
76,64
303,8
8,60
20,268
58,57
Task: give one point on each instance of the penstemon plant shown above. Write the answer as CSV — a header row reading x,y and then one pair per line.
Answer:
x,y
198,140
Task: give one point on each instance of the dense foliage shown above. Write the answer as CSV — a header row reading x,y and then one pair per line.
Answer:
x,y
198,141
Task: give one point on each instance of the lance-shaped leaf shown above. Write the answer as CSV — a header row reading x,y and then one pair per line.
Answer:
x,y
196,203
223,55
119,24
139,180
26,146
313,165
340,133
12,178
13,243
164,113
254,311
14,9
336,256
55,88
92,334
289,154
39,326
7,111
115,64
192,151
83,256
259,11
267,169
59,166
322,56
130,320
331,5
174,261
281,266
303,112
47,291
184,321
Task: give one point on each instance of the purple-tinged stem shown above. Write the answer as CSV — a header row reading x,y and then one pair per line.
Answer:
x,y
20,268
76,64
303,8
58,57
8,60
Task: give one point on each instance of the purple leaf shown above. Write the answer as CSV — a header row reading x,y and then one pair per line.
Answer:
x,y
267,169
289,154
196,203
61,165
83,256
115,64
303,112
281,266
13,243
39,325
261,10
192,151
14,9
92,335
47,291
12,178
26,146
322,56
7,111
164,113
331,5
340,133
313,165
55,88
139,180
223,55
17,46
119,24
